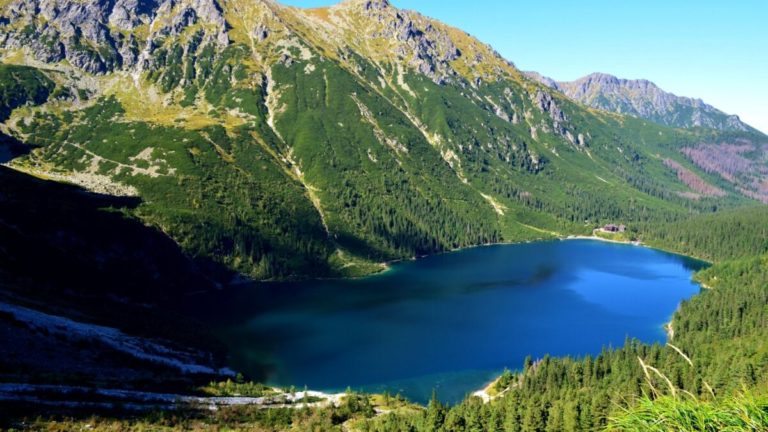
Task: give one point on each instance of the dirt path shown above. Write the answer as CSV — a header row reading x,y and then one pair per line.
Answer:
x,y
96,398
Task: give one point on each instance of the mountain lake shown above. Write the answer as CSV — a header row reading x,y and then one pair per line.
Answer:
x,y
450,322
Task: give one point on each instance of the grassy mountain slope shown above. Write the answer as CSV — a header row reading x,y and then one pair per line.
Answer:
x,y
22,85
737,153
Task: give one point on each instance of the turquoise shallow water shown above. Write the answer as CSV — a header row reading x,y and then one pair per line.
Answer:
x,y
450,322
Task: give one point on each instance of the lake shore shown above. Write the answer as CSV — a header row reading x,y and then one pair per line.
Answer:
x,y
137,401
669,329
602,239
387,266
426,300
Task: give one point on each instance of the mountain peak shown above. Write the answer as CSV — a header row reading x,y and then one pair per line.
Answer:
x,y
367,4
644,99
608,79
600,77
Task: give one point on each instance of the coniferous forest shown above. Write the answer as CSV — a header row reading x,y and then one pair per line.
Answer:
x,y
158,151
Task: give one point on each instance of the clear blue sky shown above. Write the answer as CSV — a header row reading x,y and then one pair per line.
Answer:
x,y
716,50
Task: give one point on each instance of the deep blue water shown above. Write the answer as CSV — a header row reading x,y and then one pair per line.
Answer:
x,y
450,322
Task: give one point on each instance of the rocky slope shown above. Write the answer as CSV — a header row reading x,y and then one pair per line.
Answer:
x,y
87,293
644,99
282,142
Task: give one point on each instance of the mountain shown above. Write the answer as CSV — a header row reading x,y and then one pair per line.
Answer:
x,y
154,149
279,142
644,99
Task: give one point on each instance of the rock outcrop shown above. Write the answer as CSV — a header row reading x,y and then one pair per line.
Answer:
x,y
100,36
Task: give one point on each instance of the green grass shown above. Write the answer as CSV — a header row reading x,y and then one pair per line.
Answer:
x,y
737,413
620,237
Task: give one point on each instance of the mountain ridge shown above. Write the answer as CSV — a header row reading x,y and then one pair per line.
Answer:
x,y
644,99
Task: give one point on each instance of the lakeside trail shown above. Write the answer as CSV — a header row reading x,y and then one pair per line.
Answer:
x,y
603,239
83,397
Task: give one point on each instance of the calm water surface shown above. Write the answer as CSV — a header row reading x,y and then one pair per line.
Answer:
x,y
450,322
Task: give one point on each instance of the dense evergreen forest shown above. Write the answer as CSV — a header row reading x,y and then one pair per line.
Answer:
x,y
719,349
714,237
712,374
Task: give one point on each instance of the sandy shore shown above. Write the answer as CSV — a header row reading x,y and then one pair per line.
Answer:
x,y
485,393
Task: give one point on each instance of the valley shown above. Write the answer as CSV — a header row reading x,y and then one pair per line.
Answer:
x,y
200,199
271,143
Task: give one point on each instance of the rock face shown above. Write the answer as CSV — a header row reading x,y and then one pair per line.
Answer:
x,y
644,99
547,81
425,48
98,36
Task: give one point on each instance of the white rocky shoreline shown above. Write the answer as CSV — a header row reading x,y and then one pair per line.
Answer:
x,y
64,396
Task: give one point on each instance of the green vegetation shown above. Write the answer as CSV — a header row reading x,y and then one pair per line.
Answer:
x,y
715,237
733,413
20,85
354,408
316,156
380,203
619,237
237,388
246,214
312,170
503,382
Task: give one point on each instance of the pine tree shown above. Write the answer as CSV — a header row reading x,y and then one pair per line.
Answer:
x,y
435,416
